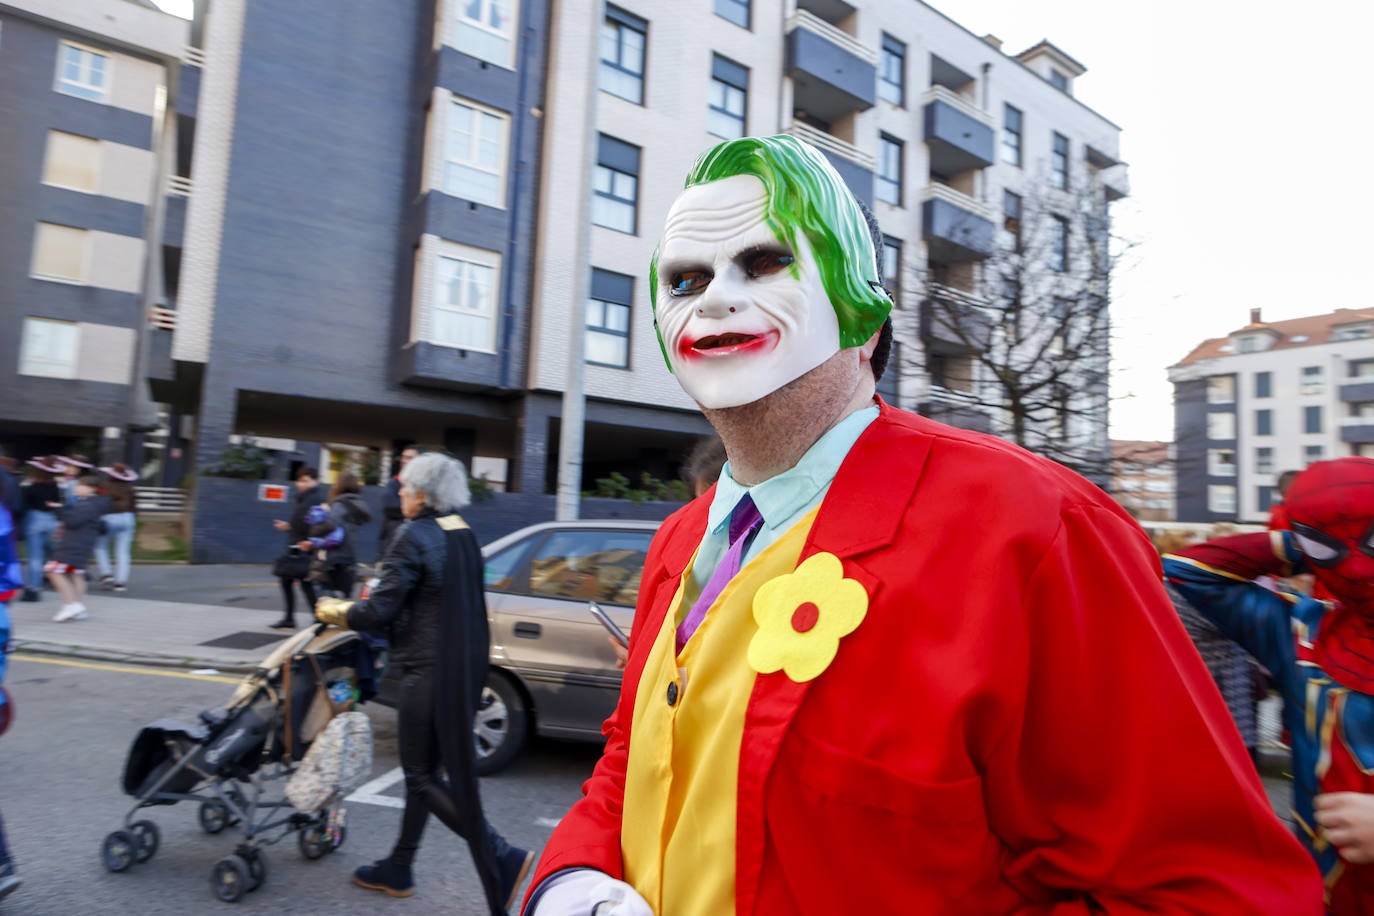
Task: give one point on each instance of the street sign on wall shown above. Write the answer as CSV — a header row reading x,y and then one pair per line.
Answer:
x,y
272,492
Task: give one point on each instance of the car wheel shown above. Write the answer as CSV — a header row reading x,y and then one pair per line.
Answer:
x,y
499,728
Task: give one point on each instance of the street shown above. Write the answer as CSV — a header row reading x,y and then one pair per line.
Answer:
x,y
60,771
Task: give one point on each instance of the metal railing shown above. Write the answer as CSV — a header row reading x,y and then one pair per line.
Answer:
x,y
195,57
822,140
936,191
813,23
955,100
160,500
177,186
164,319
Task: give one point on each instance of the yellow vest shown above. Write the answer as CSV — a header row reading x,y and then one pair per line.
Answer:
x,y
678,833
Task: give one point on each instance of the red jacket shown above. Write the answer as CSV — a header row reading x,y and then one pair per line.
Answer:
x,y
1019,725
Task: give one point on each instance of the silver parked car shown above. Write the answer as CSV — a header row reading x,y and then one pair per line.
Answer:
x,y
552,671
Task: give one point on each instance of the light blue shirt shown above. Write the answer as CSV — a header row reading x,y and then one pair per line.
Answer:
x,y
783,500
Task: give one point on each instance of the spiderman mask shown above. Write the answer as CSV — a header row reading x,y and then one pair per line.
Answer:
x,y
1331,505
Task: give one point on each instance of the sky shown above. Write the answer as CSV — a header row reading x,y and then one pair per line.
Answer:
x,y
1244,130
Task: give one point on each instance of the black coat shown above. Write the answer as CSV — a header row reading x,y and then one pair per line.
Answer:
x,y
81,526
350,513
392,517
304,501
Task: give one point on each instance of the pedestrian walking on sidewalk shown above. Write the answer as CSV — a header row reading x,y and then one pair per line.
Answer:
x,y
430,605
293,567
42,499
120,524
81,526
10,583
334,567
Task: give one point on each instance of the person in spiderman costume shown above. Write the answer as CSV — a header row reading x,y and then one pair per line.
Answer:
x,y
1321,653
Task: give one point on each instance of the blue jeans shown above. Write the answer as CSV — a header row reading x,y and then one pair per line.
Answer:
x,y
119,527
38,531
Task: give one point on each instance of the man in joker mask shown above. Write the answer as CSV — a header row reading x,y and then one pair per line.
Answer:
x,y
1319,652
884,665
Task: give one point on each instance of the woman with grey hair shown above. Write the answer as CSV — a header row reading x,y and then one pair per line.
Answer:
x,y
429,604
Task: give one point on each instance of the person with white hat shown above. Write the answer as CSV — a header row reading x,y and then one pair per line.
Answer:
x,y
42,499
120,523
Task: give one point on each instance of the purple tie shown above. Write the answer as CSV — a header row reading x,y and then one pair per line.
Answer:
x,y
745,520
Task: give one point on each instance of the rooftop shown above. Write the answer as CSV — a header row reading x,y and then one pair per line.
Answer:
x,y
1309,331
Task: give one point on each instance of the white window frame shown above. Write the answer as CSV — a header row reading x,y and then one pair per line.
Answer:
x,y
85,278
47,159
502,157
1221,498
1218,424
1221,389
461,20
83,90
46,365
1218,464
464,255
1312,380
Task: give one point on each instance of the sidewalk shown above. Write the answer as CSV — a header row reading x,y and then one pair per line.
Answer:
x,y
145,632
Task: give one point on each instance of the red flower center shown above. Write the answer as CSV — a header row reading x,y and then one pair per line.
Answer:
x,y
805,617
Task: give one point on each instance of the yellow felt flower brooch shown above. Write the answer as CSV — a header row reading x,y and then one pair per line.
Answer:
x,y
801,617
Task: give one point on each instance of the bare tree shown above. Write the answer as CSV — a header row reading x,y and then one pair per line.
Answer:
x,y
1019,343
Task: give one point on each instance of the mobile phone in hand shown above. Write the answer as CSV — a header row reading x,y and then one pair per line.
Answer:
x,y
602,618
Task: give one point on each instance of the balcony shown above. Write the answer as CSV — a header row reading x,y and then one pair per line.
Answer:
x,y
833,74
1358,389
854,165
955,226
1357,429
960,136
954,322
954,408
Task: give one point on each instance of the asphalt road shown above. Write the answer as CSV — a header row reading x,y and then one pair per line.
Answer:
x,y
60,769
239,585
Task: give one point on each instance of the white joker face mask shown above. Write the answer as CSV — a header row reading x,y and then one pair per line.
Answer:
x,y
737,321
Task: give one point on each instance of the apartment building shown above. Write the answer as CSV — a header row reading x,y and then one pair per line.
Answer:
x,y
1143,478
86,142
1268,398
370,226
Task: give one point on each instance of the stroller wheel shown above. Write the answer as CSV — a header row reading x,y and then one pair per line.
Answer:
x,y
118,850
229,878
257,868
312,842
146,835
339,837
214,816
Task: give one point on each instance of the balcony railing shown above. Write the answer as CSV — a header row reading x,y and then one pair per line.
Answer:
x,y
164,319
822,140
816,24
177,186
954,294
194,57
954,99
937,191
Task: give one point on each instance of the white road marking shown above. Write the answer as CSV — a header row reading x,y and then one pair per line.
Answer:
x,y
370,793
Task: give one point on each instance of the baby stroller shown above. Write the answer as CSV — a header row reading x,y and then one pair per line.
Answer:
x,y
227,760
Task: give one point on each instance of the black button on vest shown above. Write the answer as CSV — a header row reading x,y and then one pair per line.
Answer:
x,y
672,694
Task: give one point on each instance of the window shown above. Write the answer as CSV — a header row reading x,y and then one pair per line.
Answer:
x,y
590,565
615,194
59,253
953,372
1061,321
1059,80
892,266
1264,382
608,319
82,72
486,29
887,187
1312,378
1011,135
49,348
1221,389
1312,419
1221,462
892,72
1059,245
623,40
737,11
1010,293
1311,453
729,92
1221,426
1361,332
1221,499
1265,497
1011,221
465,300
1059,162
72,162
1264,422
1250,343
1359,368
475,154
1264,460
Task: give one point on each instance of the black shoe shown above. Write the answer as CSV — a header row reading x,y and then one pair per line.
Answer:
x,y
107,581
383,876
512,867
32,594
286,623
118,586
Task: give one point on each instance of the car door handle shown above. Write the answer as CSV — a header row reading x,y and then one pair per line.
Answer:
x,y
525,630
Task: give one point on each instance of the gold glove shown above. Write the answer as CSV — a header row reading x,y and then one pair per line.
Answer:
x,y
333,611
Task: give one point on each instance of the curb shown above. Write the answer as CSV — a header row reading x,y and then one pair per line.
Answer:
x,y
85,653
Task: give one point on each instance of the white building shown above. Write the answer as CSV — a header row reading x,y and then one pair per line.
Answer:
x,y
1268,398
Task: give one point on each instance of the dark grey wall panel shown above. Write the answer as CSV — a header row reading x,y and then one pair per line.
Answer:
x,y
174,221
188,91
1190,443
89,211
